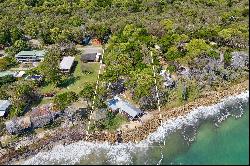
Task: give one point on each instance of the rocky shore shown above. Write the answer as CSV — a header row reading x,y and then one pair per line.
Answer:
x,y
76,133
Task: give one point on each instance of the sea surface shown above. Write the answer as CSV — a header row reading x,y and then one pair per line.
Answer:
x,y
217,134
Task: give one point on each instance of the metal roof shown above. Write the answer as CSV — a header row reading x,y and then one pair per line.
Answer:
x,y
67,63
40,53
89,57
4,104
117,102
26,53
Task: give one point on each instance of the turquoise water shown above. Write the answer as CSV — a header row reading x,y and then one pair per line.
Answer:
x,y
217,139
227,144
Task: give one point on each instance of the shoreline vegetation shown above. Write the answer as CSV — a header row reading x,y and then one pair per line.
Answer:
x,y
75,133
69,68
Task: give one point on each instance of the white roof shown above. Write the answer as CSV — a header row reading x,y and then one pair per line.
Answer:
x,y
67,63
117,102
20,74
4,104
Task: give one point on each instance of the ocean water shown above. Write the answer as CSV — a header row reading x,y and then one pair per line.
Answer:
x,y
217,134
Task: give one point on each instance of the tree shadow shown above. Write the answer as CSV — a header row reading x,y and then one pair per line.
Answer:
x,y
75,63
68,81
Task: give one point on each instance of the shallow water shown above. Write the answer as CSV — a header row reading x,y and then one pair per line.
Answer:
x,y
226,144
217,134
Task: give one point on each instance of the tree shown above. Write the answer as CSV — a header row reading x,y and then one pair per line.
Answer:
x,y
87,92
197,47
19,45
65,99
16,34
50,66
7,80
7,62
21,93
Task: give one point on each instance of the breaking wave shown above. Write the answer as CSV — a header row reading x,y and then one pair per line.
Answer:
x,y
105,153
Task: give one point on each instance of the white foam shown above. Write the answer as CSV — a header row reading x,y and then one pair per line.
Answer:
x,y
122,153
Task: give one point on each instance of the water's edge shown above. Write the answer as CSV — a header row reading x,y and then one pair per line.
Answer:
x,y
121,153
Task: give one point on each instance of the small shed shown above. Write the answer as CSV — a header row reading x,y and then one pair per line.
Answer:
x,y
4,106
124,107
18,125
66,64
91,57
19,74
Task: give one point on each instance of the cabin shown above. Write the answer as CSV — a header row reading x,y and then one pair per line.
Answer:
x,y
66,64
125,108
30,56
4,107
91,57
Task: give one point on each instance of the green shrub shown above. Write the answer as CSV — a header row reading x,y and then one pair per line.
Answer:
x,y
171,69
65,99
214,54
227,58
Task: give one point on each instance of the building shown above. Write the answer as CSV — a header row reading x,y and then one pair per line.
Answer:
x,y
30,56
7,73
4,106
19,74
66,64
124,107
91,57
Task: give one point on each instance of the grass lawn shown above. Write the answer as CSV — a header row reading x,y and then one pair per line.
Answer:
x,y
81,77
75,81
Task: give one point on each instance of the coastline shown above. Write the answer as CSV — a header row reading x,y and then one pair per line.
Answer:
x,y
142,132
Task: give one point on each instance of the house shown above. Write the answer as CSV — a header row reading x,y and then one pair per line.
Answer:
x,y
18,125
124,107
4,106
30,56
91,57
66,64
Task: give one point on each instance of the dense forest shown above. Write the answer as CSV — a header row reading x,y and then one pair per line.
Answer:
x,y
183,30
52,21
